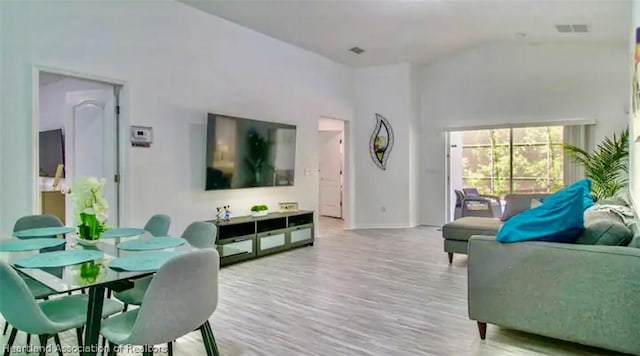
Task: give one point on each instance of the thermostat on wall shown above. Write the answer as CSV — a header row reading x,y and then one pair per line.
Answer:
x,y
141,136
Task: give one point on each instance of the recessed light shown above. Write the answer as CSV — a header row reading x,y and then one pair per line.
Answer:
x,y
356,50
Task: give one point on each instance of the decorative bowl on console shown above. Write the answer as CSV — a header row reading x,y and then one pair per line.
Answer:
x,y
259,210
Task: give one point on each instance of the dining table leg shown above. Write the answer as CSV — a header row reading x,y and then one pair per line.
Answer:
x,y
94,317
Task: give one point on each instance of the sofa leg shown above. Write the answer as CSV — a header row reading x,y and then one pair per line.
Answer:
x,y
482,328
450,257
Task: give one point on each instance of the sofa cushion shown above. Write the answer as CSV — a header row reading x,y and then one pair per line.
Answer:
x,y
559,220
635,240
604,228
463,228
517,203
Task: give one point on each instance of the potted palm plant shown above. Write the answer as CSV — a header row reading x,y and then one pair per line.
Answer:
x,y
607,166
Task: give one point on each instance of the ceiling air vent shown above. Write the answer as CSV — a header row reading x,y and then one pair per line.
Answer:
x,y
357,50
575,28
580,28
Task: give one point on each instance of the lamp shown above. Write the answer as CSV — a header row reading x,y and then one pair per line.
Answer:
x,y
222,148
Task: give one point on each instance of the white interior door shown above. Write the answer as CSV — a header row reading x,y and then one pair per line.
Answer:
x,y
91,143
331,173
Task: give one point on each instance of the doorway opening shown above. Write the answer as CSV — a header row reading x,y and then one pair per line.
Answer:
x,y
77,128
331,167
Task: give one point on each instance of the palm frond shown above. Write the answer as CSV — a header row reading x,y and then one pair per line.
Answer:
x,y
607,166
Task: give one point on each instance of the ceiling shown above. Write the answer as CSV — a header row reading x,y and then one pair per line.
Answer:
x,y
393,31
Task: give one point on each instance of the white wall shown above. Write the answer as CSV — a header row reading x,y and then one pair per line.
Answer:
x,y
1,168
456,182
414,146
384,197
634,159
178,64
515,84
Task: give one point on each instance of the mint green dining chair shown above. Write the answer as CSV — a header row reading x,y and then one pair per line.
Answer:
x,y
35,221
46,319
158,225
39,290
180,299
201,234
198,234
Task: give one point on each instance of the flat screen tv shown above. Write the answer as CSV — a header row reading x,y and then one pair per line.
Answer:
x,y
51,152
245,153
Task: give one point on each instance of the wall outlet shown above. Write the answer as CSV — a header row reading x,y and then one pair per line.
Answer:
x,y
307,171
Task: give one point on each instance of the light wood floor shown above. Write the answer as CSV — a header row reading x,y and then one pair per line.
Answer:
x,y
360,292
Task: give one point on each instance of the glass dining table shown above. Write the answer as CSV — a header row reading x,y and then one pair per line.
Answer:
x,y
96,275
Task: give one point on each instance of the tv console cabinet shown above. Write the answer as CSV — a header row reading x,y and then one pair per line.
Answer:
x,y
245,237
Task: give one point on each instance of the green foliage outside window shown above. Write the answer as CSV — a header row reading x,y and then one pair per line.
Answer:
x,y
537,160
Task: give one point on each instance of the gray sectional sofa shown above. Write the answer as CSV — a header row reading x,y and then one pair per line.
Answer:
x,y
587,292
457,233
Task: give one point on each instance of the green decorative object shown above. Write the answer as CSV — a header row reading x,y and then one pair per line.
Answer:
x,y
89,272
607,166
90,206
90,228
259,210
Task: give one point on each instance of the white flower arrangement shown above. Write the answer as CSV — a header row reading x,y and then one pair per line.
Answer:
x,y
90,207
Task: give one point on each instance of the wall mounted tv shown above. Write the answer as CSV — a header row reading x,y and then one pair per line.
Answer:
x,y
244,153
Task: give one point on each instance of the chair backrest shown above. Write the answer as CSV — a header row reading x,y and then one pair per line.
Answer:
x,y
182,295
201,234
18,306
471,191
158,225
35,221
459,198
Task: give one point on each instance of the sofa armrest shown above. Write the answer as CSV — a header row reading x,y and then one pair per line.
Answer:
x,y
581,293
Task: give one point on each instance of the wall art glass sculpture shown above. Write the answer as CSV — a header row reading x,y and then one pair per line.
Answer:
x,y
381,142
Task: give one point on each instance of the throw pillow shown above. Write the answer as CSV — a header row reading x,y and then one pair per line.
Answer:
x,y
517,203
604,228
583,184
558,220
535,203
